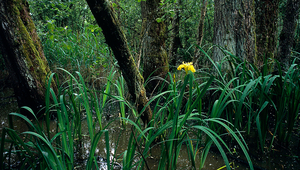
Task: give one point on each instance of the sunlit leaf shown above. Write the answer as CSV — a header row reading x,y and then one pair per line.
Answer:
x,y
158,20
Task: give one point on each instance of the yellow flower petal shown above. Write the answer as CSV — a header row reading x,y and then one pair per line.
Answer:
x,y
191,67
180,67
187,67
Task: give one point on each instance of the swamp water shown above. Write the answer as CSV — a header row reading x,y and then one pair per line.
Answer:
x,y
282,158
118,137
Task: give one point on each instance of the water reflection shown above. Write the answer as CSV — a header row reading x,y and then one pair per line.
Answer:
x,y
119,138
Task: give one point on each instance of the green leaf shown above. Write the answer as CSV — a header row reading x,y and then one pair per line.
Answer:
x,y
158,20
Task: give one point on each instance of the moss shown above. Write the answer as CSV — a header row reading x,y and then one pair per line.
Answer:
x,y
30,45
156,55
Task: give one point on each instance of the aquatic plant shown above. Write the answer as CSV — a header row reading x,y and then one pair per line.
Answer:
x,y
249,98
182,118
174,122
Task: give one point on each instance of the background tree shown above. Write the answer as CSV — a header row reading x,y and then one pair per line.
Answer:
x,y
200,31
22,51
287,34
175,38
106,19
234,28
155,59
266,16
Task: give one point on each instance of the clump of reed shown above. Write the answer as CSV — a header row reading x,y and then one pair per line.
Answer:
x,y
256,99
175,123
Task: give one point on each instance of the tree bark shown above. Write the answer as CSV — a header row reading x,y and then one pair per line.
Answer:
x,y
288,32
23,54
115,38
266,15
155,59
200,31
234,29
175,39
224,35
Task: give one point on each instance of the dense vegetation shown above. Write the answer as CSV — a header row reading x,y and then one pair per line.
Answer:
x,y
211,107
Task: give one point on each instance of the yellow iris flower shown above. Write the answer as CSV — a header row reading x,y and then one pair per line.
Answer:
x,y
187,67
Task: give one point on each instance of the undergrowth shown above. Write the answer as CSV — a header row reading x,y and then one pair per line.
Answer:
x,y
196,110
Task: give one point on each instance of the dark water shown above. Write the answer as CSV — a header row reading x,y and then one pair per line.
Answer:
x,y
119,142
277,158
118,137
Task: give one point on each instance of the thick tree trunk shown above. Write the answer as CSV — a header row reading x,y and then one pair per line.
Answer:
x,y
234,28
115,38
175,39
266,14
200,31
23,54
248,35
288,32
224,35
155,59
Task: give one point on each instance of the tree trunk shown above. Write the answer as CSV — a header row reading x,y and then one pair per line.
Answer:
x,y
288,32
23,54
234,29
224,34
155,59
115,38
200,32
266,15
175,39
244,28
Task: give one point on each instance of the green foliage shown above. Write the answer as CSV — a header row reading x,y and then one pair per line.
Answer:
x,y
120,85
129,15
189,15
250,98
65,26
176,121
36,142
252,101
66,13
66,48
70,37
296,44
56,150
196,110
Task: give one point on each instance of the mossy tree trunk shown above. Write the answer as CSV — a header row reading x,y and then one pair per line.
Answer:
x,y
266,14
234,28
155,59
115,38
22,51
287,34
